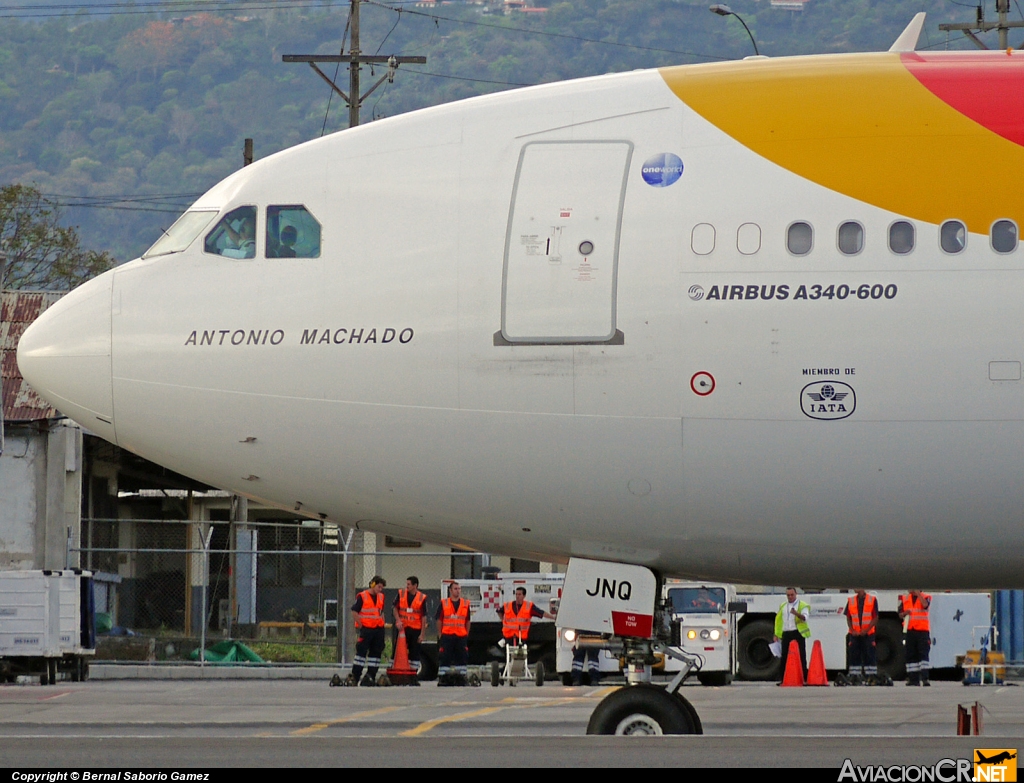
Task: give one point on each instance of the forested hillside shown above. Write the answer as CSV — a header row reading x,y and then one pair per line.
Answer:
x,y
146,110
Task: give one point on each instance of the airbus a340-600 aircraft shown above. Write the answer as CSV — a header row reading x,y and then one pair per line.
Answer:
x,y
756,321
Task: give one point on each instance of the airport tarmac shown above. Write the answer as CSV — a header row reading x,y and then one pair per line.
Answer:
x,y
284,723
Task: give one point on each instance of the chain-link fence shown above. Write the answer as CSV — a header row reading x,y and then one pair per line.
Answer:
x,y
167,590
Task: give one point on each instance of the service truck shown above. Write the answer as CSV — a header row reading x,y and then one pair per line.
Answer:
x,y
952,617
705,614
47,624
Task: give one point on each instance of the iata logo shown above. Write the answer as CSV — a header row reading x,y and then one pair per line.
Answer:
x,y
828,400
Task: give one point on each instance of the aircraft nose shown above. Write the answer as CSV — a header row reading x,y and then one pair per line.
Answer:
x,y
65,355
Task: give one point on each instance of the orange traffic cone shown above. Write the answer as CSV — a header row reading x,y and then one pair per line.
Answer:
x,y
794,676
816,671
400,672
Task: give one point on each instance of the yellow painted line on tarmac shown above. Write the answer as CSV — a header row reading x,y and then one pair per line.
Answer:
x,y
600,694
426,726
315,727
510,702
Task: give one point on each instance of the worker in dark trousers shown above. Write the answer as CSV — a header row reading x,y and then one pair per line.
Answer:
x,y
861,620
917,641
410,610
368,615
516,617
791,626
589,660
453,618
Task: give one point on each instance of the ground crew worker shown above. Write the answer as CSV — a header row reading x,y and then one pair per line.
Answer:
x,y
453,618
368,615
410,608
861,620
590,658
918,639
516,617
791,625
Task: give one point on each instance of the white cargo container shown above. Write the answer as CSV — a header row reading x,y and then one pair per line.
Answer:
x,y
46,624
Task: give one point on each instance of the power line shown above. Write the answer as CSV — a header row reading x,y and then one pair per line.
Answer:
x,y
170,203
529,31
158,7
468,79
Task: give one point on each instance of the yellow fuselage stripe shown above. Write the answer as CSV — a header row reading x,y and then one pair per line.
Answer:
x,y
864,126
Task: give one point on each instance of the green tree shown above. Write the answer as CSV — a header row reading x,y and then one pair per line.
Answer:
x,y
41,253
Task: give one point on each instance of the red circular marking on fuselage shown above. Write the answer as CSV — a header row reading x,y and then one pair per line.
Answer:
x,y
986,87
706,382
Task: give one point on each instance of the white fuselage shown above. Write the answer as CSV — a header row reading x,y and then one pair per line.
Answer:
x,y
487,421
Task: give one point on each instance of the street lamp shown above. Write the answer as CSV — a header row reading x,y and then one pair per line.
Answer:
x,y
724,10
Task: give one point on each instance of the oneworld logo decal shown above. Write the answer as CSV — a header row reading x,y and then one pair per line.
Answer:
x,y
828,400
660,171
696,293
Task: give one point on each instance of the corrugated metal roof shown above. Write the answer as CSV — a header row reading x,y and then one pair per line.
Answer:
x,y
17,310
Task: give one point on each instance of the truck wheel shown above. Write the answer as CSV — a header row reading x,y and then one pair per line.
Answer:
x,y
641,709
714,679
428,664
495,674
754,655
889,648
538,673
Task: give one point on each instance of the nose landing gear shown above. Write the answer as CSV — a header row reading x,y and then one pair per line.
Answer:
x,y
644,710
598,597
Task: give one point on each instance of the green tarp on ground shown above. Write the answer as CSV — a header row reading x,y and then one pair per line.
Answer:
x,y
228,652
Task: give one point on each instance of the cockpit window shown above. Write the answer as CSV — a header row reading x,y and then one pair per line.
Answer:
x,y
292,232
234,235
180,235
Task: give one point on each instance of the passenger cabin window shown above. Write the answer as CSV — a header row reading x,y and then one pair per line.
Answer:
x,y
901,237
952,236
748,238
850,238
292,232
179,236
799,238
702,239
1004,236
234,235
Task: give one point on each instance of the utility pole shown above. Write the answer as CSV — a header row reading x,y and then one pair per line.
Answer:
x,y
1003,25
354,58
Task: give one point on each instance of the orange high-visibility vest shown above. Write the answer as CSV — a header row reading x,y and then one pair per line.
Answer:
x,y
916,613
517,623
860,623
372,613
411,616
454,623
